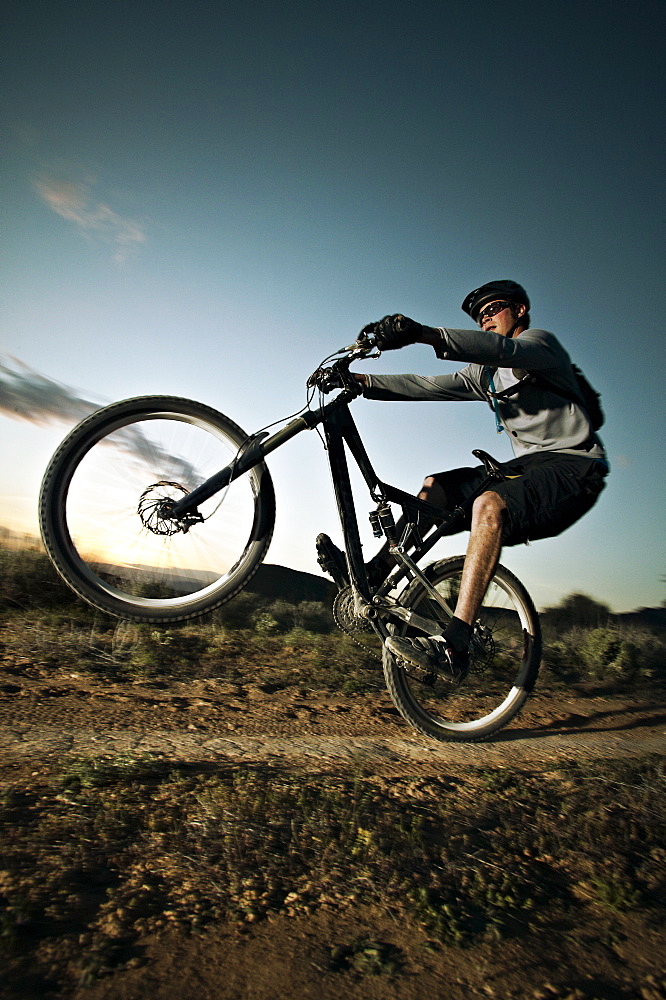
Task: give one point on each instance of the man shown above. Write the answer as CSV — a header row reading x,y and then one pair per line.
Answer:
x,y
559,466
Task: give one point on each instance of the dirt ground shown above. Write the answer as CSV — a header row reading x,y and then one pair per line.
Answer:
x,y
62,711
46,716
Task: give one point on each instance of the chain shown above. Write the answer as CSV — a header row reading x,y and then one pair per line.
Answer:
x,y
347,620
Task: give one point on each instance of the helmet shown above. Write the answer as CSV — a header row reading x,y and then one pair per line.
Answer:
x,y
510,290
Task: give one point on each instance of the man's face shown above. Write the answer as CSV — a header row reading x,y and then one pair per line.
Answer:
x,y
504,321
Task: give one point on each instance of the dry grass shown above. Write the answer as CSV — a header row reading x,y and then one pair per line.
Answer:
x,y
105,850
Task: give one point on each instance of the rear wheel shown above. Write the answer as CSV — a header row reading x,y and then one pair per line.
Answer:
x,y
505,656
101,503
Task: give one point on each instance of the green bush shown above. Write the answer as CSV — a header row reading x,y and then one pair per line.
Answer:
x,y
609,653
281,617
314,616
266,624
605,653
238,613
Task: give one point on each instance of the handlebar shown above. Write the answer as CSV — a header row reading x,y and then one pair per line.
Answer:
x,y
333,373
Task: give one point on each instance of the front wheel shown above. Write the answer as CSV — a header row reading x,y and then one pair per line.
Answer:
x,y
505,656
101,498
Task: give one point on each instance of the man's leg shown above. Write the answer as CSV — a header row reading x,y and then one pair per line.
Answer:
x,y
483,552
448,655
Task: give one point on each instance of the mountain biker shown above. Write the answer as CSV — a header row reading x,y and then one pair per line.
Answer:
x,y
555,477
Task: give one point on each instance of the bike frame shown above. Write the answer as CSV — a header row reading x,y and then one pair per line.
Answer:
x,y
342,435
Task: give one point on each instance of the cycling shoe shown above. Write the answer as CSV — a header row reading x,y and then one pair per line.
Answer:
x,y
431,655
332,561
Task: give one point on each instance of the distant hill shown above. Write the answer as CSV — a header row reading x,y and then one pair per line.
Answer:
x,y
271,582
291,585
280,582
653,619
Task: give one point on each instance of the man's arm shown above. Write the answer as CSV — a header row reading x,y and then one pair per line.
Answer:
x,y
533,350
460,386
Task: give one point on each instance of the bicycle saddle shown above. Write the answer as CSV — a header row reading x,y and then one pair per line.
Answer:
x,y
492,466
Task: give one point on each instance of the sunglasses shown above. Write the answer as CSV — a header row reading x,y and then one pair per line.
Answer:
x,y
491,310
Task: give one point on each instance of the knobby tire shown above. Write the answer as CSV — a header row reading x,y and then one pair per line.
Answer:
x,y
504,660
143,451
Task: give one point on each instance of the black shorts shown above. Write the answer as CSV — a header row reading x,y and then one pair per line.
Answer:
x,y
544,494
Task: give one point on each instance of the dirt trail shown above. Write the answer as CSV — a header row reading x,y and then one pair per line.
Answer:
x,y
65,713
48,716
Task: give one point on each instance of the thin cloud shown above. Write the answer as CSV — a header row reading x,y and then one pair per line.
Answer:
x,y
74,202
27,395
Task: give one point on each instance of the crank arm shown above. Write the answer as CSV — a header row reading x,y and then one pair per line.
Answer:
x,y
427,625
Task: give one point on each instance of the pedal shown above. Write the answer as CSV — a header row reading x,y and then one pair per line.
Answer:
x,y
427,677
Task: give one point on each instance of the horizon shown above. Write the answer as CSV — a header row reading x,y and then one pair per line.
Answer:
x,y
30,542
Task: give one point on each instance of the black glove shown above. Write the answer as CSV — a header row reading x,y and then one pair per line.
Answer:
x,y
394,332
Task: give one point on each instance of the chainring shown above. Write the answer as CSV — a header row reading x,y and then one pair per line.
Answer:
x,y
345,616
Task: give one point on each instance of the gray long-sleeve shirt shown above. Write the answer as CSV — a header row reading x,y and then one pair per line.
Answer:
x,y
536,419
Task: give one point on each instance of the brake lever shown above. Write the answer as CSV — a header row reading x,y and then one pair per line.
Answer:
x,y
362,354
362,346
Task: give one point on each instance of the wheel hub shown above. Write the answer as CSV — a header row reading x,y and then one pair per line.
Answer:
x,y
483,648
155,504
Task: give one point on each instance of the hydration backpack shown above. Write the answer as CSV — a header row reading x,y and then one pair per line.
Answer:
x,y
591,399
588,397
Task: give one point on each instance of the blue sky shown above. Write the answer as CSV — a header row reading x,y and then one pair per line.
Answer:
x,y
205,199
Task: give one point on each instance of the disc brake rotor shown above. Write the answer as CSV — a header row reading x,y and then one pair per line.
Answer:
x,y
154,504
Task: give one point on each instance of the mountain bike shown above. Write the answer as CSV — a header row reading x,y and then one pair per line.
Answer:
x,y
159,509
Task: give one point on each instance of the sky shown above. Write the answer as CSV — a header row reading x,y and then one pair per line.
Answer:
x,y
205,199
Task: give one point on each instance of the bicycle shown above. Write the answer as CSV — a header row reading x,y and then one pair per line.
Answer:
x,y
159,509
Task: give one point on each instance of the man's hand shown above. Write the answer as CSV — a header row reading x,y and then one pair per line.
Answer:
x,y
329,379
394,332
